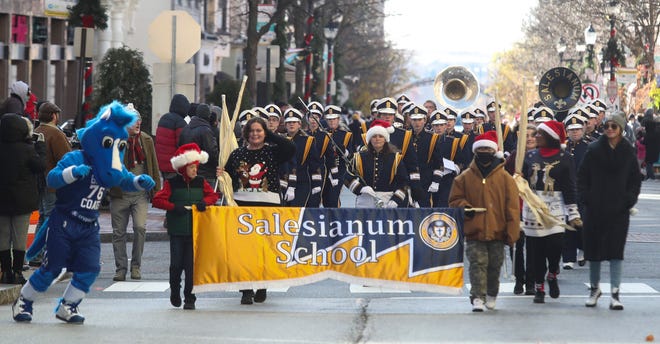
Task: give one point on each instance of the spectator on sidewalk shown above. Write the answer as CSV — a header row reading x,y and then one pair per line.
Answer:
x,y
181,191
139,158
19,94
652,142
56,146
199,131
486,184
609,183
168,132
24,160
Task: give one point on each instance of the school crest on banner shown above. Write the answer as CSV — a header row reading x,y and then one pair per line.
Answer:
x,y
249,248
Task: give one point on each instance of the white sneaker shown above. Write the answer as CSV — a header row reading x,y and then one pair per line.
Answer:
x,y
478,305
68,312
490,302
594,294
569,266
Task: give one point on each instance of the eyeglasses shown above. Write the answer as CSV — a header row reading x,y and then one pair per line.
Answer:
x,y
612,126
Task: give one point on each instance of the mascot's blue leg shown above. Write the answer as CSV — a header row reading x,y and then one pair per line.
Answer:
x,y
38,283
67,309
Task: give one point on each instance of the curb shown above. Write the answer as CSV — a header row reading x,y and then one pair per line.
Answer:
x,y
9,293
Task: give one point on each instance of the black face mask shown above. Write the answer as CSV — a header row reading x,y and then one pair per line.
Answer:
x,y
483,157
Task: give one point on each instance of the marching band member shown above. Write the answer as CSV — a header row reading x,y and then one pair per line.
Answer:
x,y
469,135
428,156
479,119
543,114
509,141
591,133
577,146
402,140
335,163
380,175
305,179
451,154
274,114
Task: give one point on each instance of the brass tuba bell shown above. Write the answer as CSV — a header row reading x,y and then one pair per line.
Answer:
x,y
456,87
560,88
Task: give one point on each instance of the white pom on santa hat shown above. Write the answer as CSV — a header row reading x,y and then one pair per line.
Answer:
x,y
380,127
187,154
556,130
489,140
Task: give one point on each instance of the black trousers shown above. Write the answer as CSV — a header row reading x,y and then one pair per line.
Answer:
x,y
181,260
545,253
522,268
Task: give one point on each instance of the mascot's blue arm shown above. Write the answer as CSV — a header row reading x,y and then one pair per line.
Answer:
x,y
61,174
129,181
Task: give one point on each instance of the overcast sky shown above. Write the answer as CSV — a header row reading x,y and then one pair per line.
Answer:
x,y
453,32
438,28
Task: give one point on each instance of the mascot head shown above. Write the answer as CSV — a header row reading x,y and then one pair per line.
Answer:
x,y
103,142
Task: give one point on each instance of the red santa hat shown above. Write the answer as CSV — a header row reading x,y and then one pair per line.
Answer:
x,y
489,140
187,154
380,127
555,130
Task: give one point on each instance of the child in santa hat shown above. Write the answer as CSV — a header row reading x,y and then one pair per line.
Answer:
x,y
179,193
486,184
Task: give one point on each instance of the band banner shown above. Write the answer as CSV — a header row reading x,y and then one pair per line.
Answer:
x,y
260,247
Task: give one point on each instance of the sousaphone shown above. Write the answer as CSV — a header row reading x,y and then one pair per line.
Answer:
x,y
560,89
456,87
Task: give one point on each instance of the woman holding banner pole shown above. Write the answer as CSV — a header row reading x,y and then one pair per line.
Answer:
x,y
254,170
380,178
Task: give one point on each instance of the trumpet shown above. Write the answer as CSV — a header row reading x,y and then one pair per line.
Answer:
x,y
456,87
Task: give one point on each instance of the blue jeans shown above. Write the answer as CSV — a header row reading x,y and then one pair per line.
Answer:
x,y
46,205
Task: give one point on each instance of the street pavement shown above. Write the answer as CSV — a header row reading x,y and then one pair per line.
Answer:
x,y
335,312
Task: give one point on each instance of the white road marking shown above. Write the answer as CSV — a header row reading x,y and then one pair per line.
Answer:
x,y
360,289
627,288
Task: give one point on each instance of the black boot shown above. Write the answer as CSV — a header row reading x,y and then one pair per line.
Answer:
x,y
539,294
518,288
175,297
5,265
248,295
260,295
19,258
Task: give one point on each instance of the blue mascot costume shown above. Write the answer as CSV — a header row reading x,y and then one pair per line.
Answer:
x,y
71,234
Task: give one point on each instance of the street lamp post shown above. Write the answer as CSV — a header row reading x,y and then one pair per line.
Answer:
x,y
330,32
590,37
561,49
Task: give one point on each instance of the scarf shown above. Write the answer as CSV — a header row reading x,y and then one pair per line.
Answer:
x,y
135,154
546,152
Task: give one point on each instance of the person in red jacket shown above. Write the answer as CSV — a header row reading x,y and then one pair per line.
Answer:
x,y
168,132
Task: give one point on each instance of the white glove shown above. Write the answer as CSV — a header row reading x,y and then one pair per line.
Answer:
x,y
391,204
367,190
316,190
333,181
434,187
290,194
346,153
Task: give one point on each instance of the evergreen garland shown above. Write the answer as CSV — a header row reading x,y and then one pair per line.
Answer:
x,y
88,13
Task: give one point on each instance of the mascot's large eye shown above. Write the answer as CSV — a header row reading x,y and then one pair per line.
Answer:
x,y
122,145
107,142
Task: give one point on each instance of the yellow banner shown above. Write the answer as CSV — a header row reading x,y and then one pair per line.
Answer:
x,y
261,247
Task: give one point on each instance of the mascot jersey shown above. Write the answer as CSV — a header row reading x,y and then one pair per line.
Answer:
x,y
81,198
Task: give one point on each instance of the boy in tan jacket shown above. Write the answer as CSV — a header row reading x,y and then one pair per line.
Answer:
x,y
486,184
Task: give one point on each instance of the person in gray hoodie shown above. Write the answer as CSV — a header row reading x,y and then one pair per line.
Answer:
x,y
19,92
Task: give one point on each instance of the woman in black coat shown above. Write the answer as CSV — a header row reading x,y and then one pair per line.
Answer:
x,y
23,162
609,182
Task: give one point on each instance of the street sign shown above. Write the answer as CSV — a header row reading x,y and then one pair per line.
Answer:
x,y
612,90
589,92
78,42
187,36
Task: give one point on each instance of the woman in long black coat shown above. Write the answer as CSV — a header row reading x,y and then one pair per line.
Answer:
x,y
609,182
